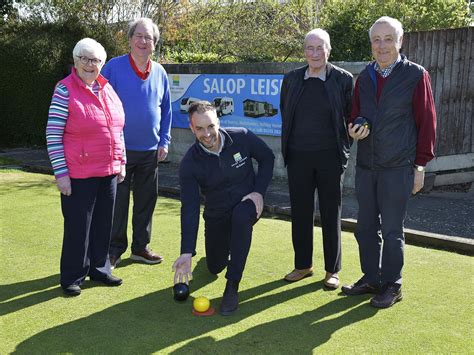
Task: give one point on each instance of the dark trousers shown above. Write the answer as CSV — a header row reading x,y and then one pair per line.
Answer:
x,y
87,215
307,171
142,178
383,197
228,239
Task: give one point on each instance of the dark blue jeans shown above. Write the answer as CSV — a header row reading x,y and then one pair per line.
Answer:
x,y
383,197
88,214
228,240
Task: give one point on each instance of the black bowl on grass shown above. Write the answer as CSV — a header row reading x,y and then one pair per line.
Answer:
x,y
180,292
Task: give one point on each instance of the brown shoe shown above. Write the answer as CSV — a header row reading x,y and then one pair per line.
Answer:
x,y
147,256
331,280
298,274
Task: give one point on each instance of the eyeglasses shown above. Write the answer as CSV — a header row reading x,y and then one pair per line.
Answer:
x,y
140,37
84,60
313,49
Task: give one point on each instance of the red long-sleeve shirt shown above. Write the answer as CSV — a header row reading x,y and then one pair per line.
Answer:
x,y
423,111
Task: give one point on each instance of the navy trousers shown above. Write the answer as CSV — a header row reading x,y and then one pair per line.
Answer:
x,y
142,178
88,213
383,197
308,171
228,239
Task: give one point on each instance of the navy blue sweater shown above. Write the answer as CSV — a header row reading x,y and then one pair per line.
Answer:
x,y
223,179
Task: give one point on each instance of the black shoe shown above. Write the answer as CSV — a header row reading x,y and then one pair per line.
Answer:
x,y
108,280
72,290
391,294
359,288
230,300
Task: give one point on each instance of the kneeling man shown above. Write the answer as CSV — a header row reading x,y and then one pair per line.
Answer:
x,y
219,165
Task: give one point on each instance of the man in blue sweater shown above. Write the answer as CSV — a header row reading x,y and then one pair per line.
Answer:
x,y
143,88
219,165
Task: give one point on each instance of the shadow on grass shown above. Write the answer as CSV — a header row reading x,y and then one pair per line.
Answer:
x,y
154,322
296,334
20,288
10,291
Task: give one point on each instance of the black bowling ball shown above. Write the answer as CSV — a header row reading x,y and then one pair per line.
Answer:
x,y
362,121
180,292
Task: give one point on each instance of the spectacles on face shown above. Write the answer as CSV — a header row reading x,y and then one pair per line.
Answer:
x,y
387,41
311,49
141,37
93,61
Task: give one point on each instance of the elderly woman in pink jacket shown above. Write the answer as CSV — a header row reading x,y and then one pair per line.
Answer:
x,y
86,149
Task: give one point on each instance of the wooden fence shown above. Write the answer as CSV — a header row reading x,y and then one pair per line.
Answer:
x,y
447,55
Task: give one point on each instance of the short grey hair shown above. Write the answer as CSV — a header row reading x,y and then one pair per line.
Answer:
x,y
320,33
397,25
146,21
92,46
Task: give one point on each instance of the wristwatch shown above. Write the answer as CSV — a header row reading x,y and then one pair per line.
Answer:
x,y
419,168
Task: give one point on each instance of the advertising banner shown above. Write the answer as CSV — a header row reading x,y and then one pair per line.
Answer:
x,y
241,100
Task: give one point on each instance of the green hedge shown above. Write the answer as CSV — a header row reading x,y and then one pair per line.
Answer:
x,y
34,58
35,55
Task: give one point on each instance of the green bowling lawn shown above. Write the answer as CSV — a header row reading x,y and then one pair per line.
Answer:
x,y
436,315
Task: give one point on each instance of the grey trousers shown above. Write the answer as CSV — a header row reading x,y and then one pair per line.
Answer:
x,y
383,198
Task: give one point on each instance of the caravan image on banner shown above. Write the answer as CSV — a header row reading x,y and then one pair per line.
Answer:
x,y
241,100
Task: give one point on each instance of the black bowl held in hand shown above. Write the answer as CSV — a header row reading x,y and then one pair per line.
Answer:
x,y
362,121
180,292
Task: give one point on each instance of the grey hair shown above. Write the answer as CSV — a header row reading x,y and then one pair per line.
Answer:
x,y
89,45
397,25
320,33
146,21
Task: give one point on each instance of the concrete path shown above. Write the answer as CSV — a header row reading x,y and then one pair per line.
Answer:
x,y
442,219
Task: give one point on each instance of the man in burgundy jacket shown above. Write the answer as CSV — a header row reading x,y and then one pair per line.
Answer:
x,y
395,96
